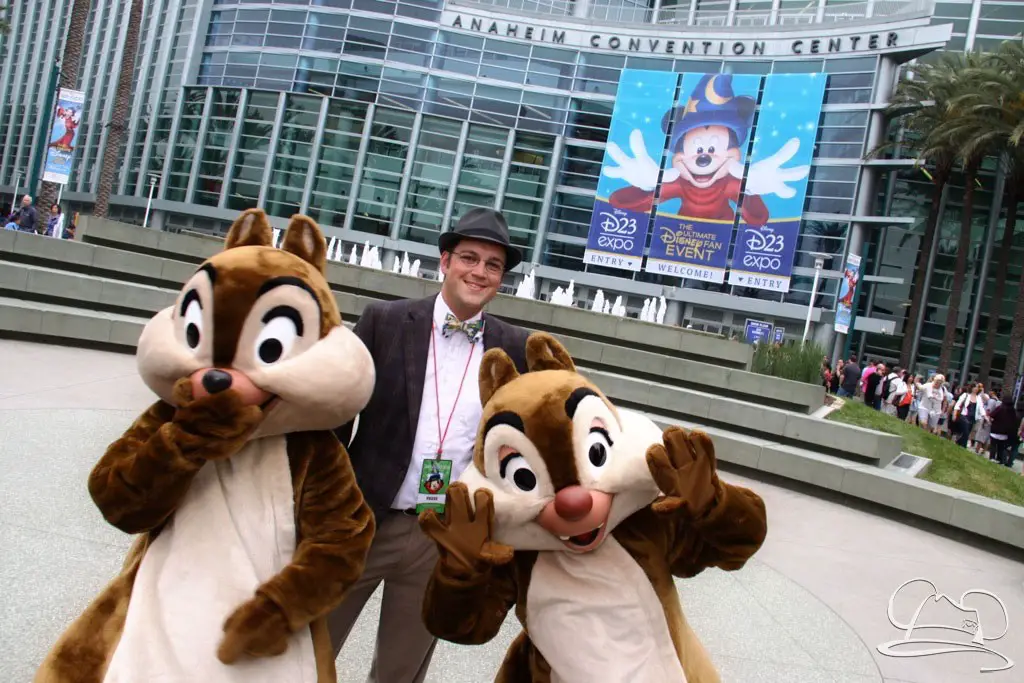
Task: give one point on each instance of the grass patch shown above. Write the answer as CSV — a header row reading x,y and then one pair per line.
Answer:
x,y
951,465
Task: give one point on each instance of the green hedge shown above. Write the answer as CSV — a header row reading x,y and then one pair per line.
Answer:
x,y
790,361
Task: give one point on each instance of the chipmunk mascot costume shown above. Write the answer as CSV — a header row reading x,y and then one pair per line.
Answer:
x,y
251,525
579,514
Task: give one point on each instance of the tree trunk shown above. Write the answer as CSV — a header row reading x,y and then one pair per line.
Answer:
x,y
1000,288
959,273
70,62
119,114
917,297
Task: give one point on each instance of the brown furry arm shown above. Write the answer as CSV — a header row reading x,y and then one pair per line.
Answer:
x,y
142,477
468,609
726,537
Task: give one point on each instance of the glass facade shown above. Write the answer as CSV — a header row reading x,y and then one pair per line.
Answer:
x,y
385,120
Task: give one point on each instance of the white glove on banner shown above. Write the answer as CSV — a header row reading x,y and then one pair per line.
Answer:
x,y
768,177
640,171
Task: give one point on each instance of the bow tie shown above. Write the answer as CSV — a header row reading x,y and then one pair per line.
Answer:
x,y
473,330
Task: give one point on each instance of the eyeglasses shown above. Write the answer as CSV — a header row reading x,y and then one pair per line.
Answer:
x,y
471,260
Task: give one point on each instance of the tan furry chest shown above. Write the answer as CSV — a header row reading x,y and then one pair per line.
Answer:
x,y
596,617
234,530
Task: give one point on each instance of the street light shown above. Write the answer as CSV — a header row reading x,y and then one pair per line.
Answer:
x,y
153,179
819,262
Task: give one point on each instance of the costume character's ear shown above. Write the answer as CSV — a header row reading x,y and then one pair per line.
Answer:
x,y
304,239
250,229
543,352
496,370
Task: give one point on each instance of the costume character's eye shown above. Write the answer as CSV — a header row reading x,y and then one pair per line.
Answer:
x,y
516,470
192,312
282,326
711,150
700,150
598,443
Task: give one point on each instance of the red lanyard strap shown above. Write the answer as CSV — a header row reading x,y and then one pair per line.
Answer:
x,y
441,436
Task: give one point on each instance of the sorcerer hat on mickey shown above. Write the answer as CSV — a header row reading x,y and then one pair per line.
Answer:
x,y
712,103
486,225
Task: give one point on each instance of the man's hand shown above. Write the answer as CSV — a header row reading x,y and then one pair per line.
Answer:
x,y
464,537
212,427
684,469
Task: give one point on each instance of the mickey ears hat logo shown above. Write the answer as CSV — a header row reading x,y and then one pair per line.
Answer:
x,y
712,103
941,625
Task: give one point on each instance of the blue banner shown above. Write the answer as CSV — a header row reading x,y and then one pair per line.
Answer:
x,y
847,290
703,170
776,184
757,331
63,140
626,189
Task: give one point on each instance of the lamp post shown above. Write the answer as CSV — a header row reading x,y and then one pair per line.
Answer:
x,y
153,178
819,262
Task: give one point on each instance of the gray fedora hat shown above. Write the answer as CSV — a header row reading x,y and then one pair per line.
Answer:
x,y
486,225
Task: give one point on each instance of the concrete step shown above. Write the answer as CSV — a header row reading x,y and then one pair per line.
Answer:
x,y
68,325
664,339
118,265
32,283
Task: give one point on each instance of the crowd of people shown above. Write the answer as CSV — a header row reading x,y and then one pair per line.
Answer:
x,y
980,420
25,218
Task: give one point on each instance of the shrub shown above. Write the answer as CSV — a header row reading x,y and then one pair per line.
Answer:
x,y
789,361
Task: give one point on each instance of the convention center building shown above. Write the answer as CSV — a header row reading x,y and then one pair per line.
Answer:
x,y
387,120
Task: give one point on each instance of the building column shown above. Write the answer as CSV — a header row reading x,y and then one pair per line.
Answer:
x,y
656,12
774,16
449,201
403,187
581,9
866,190
197,153
275,135
549,193
506,167
990,238
236,134
926,285
357,174
972,25
673,312
314,155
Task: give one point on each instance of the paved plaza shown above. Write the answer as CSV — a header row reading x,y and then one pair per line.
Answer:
x,y
810,607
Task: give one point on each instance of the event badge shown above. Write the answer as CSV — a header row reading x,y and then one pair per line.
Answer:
x,y
434,479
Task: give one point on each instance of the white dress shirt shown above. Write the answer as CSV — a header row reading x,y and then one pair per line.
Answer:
x,y
452,355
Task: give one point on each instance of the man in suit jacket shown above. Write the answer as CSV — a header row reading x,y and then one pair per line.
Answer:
x,y
425,407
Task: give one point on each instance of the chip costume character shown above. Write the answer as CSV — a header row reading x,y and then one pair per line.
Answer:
x,y
250,524
579,515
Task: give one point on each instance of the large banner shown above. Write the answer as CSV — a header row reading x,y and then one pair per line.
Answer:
x,y
847,290
626,188
63,140
699,193
776,184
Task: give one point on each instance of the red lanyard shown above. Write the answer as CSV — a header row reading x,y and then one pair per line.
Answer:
x,y
437,392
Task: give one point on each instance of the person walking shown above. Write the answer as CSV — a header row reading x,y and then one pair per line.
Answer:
x,y
969,408
417,432
873,387
931,403
1004,431
28,219
850,380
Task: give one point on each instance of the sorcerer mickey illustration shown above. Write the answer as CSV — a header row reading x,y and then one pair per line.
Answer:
x,y
706,144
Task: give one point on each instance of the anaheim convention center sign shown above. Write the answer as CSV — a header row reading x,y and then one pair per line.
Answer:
x,y
662,40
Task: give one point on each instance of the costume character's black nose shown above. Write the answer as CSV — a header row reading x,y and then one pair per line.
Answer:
x,y
704,160
216,381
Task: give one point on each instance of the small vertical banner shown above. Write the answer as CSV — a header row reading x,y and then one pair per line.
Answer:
x,y
847,290
60,148
629,174
700,189
757,331
776,184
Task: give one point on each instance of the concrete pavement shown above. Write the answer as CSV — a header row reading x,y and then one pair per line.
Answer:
x,y
810,607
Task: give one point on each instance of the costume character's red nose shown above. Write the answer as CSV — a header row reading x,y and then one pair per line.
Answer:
x,y
573,503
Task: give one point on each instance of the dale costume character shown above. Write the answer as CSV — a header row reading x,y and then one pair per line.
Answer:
x,y
708,136
251,525
579,515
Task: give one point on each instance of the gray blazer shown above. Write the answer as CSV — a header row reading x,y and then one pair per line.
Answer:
x,y
397,333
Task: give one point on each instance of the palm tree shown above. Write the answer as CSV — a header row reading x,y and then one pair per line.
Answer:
x,y
972,142
119,113
70,63
5,26
923,104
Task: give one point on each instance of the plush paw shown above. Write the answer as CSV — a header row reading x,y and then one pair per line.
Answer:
x,y
258,628
685,471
